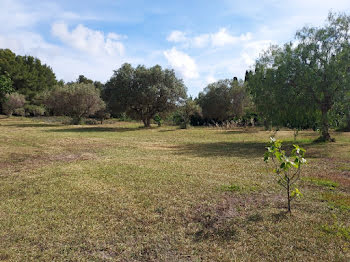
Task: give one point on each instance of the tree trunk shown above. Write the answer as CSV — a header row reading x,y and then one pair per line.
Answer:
x,y
347,128
325,136
146,122
288,195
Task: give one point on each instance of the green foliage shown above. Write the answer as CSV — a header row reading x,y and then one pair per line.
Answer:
x,y
286,168
102,114
29,76
223,100
19,111
5,85
295,84
183,115
143,92
273,91
75,100
12,102
340,113
84,80
158,119
34,110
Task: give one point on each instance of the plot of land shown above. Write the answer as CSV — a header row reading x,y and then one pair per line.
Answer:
x,y
117,192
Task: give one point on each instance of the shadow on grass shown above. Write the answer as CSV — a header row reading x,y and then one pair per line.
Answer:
x,y
34,125
246,150
278,217
234,149
240,131
93,129
167,130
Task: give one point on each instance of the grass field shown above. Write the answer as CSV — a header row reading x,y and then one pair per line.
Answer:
x,y
117,192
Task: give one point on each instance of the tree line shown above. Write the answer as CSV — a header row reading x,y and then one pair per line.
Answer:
x,y
301,84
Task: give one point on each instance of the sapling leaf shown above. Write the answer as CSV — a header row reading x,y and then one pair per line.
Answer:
x,y
283,166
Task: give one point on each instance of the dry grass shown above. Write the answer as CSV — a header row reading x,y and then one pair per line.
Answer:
x,y
117,192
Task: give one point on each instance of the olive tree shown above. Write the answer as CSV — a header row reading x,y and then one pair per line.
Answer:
x,y
75,100
223,100
143,92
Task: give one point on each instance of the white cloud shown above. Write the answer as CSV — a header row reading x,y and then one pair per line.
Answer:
x,y
87,40
210,79
201,40
223,38
219,39
177,37
182,63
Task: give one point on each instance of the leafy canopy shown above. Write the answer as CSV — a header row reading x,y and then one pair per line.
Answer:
x,y
298,83
143,92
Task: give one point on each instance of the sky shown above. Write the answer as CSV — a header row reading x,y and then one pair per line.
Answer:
x,y
203,41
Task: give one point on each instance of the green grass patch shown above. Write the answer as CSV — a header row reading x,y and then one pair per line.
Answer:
x,y
239,188
321,182
337,229
341,201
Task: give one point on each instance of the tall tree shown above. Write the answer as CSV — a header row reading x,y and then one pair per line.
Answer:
x,y
312,73
143,92
276,98
29,76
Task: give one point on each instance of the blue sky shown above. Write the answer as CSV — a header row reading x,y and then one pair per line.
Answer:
x,y
203,41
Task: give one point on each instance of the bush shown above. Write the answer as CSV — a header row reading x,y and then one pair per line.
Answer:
x,y
19,112
34,110
12,102
91,122
102,114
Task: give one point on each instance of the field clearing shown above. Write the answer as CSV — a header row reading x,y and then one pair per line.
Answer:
x,y
117,192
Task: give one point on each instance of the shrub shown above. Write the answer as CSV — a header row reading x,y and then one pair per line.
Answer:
x,y
102,114
34,110
13,101
158,119
19,112
91,122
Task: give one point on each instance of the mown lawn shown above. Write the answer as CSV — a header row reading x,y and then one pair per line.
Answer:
x,y
117,192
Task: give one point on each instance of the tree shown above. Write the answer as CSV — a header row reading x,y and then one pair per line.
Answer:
x,y
12,102
324,57
187,110
340,113
75,100
83,80
143,92
29,76
5,86
274,94
312,73
102,114
223,100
